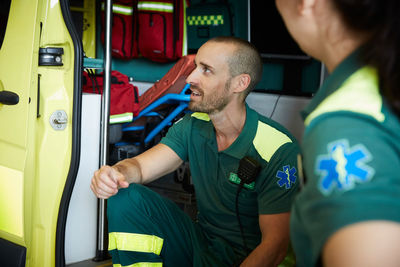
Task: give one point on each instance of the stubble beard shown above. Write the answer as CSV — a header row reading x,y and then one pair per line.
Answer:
x,y
213,103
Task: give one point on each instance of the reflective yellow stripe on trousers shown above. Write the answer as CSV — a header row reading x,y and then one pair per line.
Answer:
x,y
135,242
141,264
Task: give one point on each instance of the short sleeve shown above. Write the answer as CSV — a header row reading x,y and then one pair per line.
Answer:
x,y
351,166
280,183
177,137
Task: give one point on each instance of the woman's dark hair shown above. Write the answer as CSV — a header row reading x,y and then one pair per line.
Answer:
x,y
380,18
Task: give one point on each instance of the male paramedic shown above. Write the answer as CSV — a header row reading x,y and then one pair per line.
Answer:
x,y
243,166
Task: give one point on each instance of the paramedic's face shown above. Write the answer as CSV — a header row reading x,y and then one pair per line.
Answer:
x,y
210,80
302,24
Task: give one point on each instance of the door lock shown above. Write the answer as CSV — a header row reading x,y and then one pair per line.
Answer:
x,y
58,120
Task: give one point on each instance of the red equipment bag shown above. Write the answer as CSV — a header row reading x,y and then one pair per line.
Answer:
x,y
161,29
172,82
124,97
124,26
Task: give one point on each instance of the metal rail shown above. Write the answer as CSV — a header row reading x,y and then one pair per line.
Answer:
x,y
105,115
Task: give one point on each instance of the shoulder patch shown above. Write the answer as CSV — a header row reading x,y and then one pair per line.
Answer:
x,y
287,177
359,93
343,167
268,140
201,116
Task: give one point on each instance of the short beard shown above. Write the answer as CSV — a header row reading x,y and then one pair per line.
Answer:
x,y
209,108
215,105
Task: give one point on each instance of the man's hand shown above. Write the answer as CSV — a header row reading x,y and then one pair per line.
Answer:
x,y
106,181
142,169
274,242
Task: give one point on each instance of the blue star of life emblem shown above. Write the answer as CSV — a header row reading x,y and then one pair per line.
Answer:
x,y
286,177
343,167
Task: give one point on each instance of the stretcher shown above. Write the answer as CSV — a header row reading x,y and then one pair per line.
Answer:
x,y
180,100
170,91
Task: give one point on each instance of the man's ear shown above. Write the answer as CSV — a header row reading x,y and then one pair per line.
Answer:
x,y
242,82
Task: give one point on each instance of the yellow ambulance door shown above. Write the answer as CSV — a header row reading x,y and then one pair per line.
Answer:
x,y
40,65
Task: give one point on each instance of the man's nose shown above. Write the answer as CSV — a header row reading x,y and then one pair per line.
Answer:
x,y
193,77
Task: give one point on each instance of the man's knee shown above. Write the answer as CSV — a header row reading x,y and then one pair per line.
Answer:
x,y
134,192
131,205
126,203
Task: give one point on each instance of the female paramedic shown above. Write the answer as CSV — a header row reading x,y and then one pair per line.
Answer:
x,y
348,213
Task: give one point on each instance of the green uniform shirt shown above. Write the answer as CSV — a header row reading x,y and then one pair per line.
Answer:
x,y
351,148
193,139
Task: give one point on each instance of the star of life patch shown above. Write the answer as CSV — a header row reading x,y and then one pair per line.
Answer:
x,y
343,167
286,177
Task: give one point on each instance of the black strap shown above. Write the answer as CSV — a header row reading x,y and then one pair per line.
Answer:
x,y
95,84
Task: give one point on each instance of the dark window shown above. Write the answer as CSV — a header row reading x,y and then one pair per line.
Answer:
x,y
300,74
4,10
269,34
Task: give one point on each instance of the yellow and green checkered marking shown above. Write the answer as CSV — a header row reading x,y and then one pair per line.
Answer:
x,y
205,20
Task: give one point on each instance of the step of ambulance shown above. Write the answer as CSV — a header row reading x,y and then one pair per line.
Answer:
x,y
91,263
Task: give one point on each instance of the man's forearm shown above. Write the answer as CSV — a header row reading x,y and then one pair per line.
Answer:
x,y
267,253
130,168
150,165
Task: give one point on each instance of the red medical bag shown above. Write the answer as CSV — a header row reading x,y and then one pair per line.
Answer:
x,y
161,29
124,27
124,97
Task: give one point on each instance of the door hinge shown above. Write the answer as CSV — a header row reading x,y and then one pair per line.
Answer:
x,y
51,56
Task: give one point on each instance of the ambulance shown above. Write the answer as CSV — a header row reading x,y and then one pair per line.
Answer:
x,y
53,137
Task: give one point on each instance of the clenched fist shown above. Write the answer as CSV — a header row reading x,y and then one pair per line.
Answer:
x,y
106,181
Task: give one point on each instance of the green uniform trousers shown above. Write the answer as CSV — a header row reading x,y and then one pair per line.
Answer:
x,y
146,229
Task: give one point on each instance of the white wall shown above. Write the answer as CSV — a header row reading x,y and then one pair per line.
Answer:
x,y
81,230
287,111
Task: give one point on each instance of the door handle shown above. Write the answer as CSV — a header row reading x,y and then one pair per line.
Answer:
x,y
8,98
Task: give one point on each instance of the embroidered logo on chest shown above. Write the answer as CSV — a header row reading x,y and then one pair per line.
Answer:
x,y
234,178
343,167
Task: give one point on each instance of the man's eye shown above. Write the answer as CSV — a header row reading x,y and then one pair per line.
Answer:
x,y
206,70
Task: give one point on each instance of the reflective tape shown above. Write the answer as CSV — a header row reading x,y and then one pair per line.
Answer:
x,y
141,264
155,6
121,118
120,9
135,242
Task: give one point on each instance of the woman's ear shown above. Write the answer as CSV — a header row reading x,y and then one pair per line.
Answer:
x,y
306,7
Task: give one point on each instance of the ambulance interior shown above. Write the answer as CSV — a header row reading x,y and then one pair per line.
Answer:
x,y
290,78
